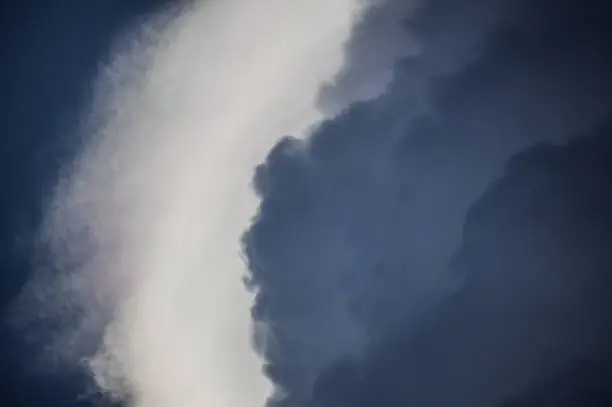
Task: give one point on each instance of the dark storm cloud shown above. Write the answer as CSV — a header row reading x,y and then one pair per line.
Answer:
x,y
532,321
50,52
350,251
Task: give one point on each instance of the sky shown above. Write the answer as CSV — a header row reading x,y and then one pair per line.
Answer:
x,y
404,207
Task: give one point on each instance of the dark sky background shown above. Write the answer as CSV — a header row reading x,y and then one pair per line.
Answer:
x,y
465,216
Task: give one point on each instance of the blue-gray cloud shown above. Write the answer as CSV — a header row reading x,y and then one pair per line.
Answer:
x,y
350,253
358,225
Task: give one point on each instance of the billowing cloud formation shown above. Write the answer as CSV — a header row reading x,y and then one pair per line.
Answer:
x,y
350,252
141,272
355,301
531,323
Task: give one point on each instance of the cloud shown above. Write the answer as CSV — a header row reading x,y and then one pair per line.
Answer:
x,y
141,279
534,309
355,302
349,254
378,41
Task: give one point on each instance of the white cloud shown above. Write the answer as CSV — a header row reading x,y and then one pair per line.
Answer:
x,y
146,224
